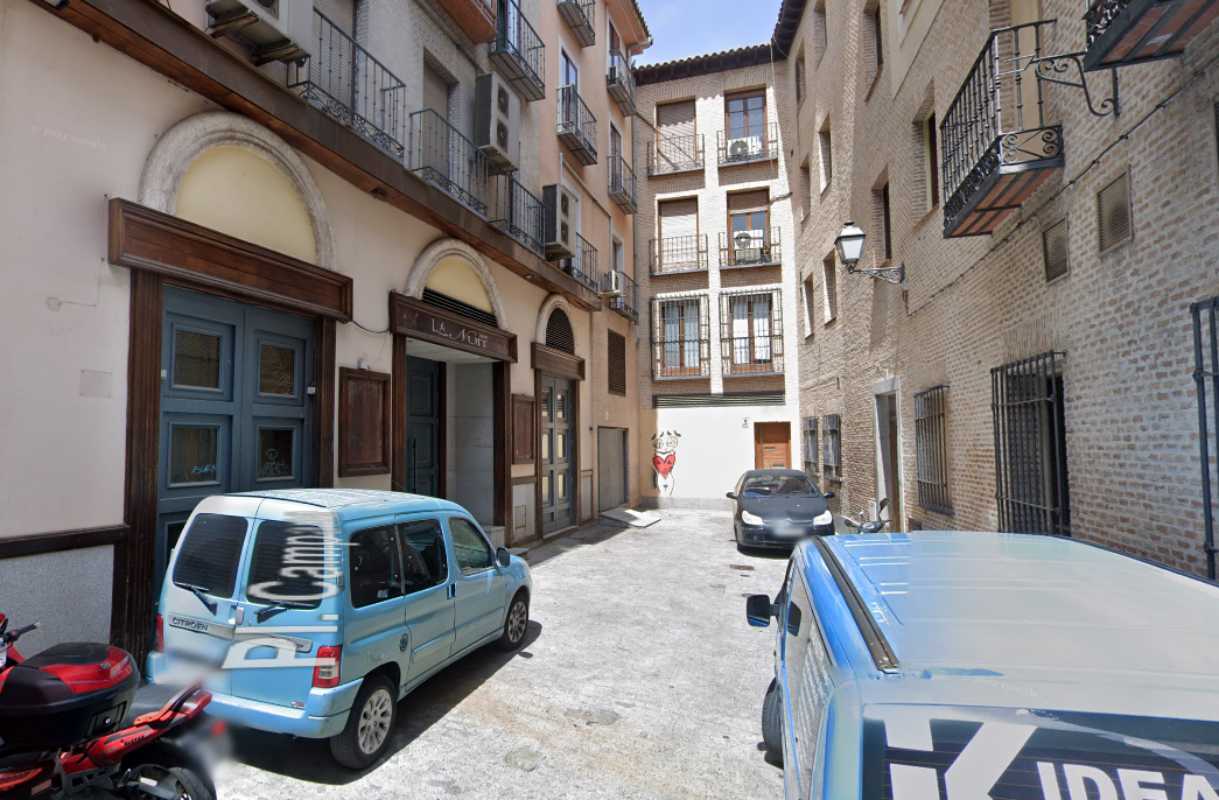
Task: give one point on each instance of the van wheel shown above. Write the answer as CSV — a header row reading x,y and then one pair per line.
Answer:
x,y
370,724
515,623
772,722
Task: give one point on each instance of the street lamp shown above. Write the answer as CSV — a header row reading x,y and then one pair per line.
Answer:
x,y
849,245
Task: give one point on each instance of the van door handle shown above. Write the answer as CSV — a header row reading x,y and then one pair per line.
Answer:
x,y
452,590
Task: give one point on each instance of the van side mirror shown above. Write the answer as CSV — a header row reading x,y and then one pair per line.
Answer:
x,y
758,610
730,495
502,556
828,495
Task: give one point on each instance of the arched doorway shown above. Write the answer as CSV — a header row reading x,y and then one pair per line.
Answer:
x,y
558,372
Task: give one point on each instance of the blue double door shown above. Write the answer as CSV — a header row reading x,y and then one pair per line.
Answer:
x,y
237,395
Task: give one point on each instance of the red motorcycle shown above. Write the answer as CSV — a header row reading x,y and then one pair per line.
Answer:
x,y
74,723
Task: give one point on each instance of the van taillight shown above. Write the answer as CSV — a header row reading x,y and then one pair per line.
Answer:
x,y
159,640
326,674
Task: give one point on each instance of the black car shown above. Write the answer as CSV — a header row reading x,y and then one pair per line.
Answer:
x,y
777,508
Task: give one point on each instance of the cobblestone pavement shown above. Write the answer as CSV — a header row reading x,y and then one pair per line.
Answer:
x,y
639,679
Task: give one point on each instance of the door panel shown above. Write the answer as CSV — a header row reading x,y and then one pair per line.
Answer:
x,y
558,473
772,445
478,584
429,609
611,468
423,426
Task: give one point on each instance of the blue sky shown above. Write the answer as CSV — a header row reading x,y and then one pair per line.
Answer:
x,y
684,28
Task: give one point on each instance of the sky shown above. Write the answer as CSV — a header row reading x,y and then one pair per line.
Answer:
x,y
683,28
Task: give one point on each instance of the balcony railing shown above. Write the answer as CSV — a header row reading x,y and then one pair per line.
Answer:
x,y
621,83
674,255
577,127
341,79
752,355
580,15
996,143
518,52
672,154
621,293
760,143
622,184
518,212
1133,31
750,248
475,17
583,265
681,358
440,155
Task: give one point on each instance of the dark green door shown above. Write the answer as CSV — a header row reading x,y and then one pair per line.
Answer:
x,y
423,426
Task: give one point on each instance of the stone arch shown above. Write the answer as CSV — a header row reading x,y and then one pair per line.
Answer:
x,y
181,145
555,301
439,251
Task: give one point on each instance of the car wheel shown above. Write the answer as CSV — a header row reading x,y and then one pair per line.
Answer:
x,y
772,722
515,623
370,724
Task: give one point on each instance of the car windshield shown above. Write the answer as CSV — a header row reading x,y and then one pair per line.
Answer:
x,y
771,485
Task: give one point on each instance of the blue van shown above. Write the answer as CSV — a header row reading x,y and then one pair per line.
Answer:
x,y
966,666
313,611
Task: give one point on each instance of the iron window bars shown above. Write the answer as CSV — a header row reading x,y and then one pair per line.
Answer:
x,y
669,155
580,15
831,460
1031,485
622,293
1206,380
577,127
751,334
995,132
622,184
620,82
750,248
931,449
518,212
759,143
583,265
675,255
519,52
681,337
809,431
442,156
341,79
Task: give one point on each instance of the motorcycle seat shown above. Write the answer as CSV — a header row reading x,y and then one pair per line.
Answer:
x,y
149,698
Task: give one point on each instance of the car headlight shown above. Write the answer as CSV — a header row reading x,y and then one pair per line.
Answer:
x,y
750,519
824,519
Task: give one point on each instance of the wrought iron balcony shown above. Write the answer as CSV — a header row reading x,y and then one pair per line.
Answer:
x,y
669,155
518,212
577,127
680,358
997,146
1133,31
752,355
621,293
622,185
476,18
747,146
580,15
620,81
750,248
583,265
676,255
440,155
341,79
518,52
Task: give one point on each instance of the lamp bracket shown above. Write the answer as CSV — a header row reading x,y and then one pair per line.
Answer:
x,y
895,275
1054,69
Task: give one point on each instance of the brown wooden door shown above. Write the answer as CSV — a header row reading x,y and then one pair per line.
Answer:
x,y
772,445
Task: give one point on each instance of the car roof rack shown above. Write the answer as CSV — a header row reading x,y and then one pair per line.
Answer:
x,y
878,646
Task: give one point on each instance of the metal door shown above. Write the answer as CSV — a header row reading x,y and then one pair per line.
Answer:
x,y
611,468
423,426
556,447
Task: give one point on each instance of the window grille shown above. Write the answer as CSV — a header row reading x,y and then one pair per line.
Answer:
x,y
931,449
616,363
1113,210
810,447
832,456
559,334
681,337
1055,248
751,333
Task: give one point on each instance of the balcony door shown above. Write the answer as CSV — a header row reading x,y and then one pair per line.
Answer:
x,y
745,123
435,137
615,163
751,333
678,248
748,227
569,99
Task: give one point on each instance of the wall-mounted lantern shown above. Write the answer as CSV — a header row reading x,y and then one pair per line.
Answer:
x,y
849,245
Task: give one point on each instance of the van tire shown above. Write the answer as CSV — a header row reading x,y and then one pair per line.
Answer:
x,y
516,623
772,722
369,707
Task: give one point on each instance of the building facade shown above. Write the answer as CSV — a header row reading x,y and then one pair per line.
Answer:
x,y
303,245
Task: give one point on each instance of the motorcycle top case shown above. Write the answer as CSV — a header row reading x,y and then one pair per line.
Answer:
x,y
66,694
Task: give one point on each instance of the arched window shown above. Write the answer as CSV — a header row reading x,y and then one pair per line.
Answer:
x,y
558,332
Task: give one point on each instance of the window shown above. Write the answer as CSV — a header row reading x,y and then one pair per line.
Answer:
x,y
931,160
210,553
1055,249
820,31
825,154
810,305
806,190
616,363
559,334
800,78
680,328
1031,483
745,115
748,229
373,561
810,448
749,335
569,74
471,549
877,38
882,220
830,280
931,449
832,458
1113,211
424,563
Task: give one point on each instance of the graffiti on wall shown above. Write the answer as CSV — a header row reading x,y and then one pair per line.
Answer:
x,y
664,459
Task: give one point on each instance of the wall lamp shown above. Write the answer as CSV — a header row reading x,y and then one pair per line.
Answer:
x,y
849,245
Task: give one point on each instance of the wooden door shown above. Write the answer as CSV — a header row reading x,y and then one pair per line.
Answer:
x,y
772,445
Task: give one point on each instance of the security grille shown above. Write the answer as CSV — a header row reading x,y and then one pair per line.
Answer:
x,y
931,449
1055,250
1031,485
681,337
751,333
1113,210
616,363
439,300
810,447
832,457
558,332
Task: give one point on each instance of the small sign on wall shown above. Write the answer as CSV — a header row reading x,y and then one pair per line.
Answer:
x,y
364,422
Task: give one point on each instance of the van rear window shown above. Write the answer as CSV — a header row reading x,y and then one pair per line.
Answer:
x,y
288,565
209,552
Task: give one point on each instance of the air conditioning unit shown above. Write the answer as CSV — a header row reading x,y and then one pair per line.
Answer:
x,y
613,284
497,123
559,236
271,30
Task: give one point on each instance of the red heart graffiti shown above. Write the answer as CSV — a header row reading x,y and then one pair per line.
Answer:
x,y
664,465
